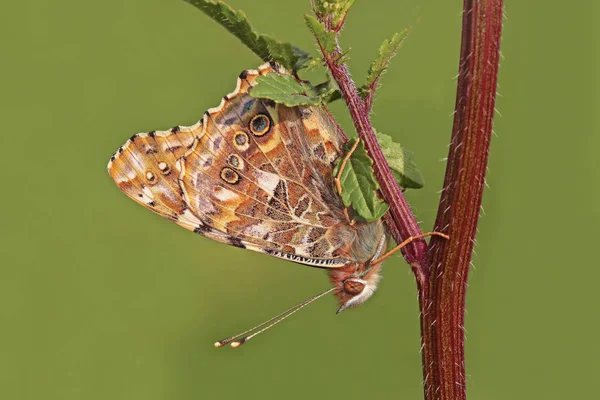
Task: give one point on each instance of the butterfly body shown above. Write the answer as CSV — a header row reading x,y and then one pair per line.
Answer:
x,y
258,175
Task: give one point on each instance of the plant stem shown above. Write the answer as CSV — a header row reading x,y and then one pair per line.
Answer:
x,y
441,269
402,223
442,296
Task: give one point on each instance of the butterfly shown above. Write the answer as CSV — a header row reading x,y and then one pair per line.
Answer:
x,y
258,175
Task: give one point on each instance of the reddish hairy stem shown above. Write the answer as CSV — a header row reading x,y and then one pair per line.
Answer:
x,y
442,296
402,223
406,223
441,269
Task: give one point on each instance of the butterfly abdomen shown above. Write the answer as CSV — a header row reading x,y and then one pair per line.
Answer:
x,y
370,241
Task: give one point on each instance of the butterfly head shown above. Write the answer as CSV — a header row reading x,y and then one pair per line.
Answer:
x,y
353,289
356,283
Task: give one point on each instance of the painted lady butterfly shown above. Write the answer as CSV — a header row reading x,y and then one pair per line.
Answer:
x,y
257,175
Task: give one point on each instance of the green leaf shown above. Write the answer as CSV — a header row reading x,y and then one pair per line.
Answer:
x,y
325,38
386,52
359,186
314,63
402,163
285,89
265,46
332,11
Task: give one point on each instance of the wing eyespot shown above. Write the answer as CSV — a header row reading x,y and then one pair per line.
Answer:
x,y
164,168
241,141
190,175
233,160
260,125
230,176
150,177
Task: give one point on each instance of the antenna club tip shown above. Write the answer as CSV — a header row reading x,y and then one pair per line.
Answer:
x,y
218,344
238,343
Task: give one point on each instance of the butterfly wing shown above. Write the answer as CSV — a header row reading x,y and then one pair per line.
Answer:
x,y
251,173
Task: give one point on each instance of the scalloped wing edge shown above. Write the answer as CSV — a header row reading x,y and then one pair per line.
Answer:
x,y
190,221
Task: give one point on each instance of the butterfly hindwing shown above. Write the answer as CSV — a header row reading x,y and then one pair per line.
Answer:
x,y
251,173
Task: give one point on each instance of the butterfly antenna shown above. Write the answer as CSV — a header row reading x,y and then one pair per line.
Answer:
x,y
407,241
240,339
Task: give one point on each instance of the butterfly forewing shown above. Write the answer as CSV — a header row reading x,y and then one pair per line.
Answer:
x,y
251,173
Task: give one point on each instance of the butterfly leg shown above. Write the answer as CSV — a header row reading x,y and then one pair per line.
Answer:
x,y
407,241
338,177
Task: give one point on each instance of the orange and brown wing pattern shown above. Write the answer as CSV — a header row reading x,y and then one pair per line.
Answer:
x,y
251,173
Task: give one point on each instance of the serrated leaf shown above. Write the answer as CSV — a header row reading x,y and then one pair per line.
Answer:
x,y
387,51
332,11
314,63
325,38
265,46
359,186
284,89
402,163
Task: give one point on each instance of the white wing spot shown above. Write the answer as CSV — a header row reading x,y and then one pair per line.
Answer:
x,y
268,181
223,194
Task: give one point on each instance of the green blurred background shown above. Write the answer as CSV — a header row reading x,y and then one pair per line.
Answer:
x,y
101,299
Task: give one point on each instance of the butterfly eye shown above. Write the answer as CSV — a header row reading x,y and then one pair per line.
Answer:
x,y
230,176
260,124
353,287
